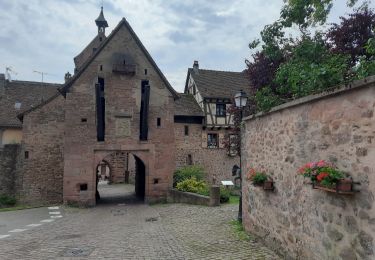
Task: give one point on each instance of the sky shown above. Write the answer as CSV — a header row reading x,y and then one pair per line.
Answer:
x,y
45,35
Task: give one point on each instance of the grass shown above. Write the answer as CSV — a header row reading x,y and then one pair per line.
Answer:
x,y
233,199
18,207
239,230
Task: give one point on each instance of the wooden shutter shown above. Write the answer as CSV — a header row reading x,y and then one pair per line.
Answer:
x,y
221,140
204,139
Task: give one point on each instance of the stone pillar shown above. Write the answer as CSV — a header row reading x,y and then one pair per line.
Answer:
x,y
214,195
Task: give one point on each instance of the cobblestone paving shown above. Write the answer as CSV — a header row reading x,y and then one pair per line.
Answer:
x,y
136,231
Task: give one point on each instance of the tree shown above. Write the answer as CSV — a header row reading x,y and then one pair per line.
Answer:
x,y
352,34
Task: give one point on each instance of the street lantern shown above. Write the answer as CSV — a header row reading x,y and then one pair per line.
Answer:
x,y
240,99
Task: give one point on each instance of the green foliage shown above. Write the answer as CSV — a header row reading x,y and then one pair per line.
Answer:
x,y
265,99
240,231
259,178
305,12
7,201
188,172
366,66
224,195
312,68
193,185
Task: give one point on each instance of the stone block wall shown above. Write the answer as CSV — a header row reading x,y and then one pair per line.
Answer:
x,y
8,162
216,162
296,220
41,163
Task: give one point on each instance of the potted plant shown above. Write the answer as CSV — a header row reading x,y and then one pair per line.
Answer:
x,y
260,179
326,176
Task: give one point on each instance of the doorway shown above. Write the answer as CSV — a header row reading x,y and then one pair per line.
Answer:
x,y
112,178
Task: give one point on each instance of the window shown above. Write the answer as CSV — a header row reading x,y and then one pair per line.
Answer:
x,y
186,130
233,144
158,121
220,110
212,141
194,90
189,160
145,71
101,67
26,154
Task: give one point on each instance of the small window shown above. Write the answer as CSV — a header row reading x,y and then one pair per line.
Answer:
x,y
189,160
17,105
212,141
26,154
145,71
220,110
83,120
194,90
83,186
158,122
100,39
101,67
186,130
156,180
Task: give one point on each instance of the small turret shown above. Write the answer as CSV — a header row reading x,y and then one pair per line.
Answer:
x,y
101,22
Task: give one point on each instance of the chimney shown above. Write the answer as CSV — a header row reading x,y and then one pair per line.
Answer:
x,y
67,76
196,67
2,84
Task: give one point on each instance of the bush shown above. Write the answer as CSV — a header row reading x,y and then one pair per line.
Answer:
x,y
193,185
188,172
224,195
7,201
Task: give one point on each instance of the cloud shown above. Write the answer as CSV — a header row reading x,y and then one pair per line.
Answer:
x,y
46,35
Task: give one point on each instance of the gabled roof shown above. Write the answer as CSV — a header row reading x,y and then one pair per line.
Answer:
x,y
218,84
88,51
186,105
123,22
28,94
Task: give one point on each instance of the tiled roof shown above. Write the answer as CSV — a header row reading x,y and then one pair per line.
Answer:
x,y
187,106
219,84
28,94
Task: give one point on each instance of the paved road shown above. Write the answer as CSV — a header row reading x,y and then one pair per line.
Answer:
x,y
129,230
15,222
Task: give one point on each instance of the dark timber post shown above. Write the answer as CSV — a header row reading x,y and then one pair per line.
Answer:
x,y
145,99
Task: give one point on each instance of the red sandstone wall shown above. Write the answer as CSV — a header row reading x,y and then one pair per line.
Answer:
x,y
123,93
295,219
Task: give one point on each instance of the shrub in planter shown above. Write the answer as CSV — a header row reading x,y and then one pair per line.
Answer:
x,y
7,201
257,178
224,195
188,172
324,174
193,185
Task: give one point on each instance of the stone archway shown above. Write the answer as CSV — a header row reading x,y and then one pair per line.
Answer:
x,y
118,163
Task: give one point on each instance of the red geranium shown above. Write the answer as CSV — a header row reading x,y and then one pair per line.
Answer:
x,y
321,176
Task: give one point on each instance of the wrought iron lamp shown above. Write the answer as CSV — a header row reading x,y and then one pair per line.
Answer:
x,y
240,99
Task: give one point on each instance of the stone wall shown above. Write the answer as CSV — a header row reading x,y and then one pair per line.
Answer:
x,y
8,161
42,159
296,220
216,162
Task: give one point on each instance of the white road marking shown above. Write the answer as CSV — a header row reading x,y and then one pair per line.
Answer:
x,y
4,236
34,225
53,207
56,216
17,230
55,213
47,220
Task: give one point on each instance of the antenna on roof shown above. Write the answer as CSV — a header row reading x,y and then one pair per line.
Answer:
x,y
42,73
8,71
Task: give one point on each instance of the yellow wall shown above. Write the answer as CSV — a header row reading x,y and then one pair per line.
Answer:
x,y
11,136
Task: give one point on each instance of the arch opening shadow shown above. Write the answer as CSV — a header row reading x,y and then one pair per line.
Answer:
x,y
114,188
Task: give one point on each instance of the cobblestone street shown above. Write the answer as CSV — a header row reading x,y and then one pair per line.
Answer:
x,y
136,231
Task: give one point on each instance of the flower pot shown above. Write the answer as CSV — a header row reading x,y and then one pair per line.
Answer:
x,y
268,185
344,185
